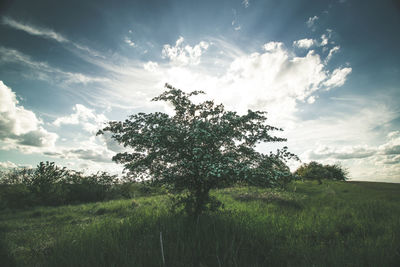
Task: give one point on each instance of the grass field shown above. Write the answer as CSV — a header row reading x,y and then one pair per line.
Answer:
x,y
333,224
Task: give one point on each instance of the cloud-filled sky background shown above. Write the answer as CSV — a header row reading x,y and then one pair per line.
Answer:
x,y
327,72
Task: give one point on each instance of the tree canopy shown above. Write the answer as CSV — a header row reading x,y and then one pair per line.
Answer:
x,y
318,171
201,147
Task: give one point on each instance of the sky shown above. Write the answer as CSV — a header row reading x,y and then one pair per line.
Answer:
x,y
327,72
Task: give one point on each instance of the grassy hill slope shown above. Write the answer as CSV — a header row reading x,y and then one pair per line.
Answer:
x,y
333,224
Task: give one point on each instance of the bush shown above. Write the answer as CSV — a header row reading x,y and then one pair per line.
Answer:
x,y
336,172
91,188
50,185
15,196
14,191
317,171
46,183
271,171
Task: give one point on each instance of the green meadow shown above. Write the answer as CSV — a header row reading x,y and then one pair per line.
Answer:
x,y
333,224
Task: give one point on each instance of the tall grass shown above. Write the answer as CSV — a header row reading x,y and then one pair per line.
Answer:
x,y
335,224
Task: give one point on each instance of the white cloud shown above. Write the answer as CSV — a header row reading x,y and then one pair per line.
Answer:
x,y
8,165
20,128
392,147
343,128
15,119
391,160
324,40
184,55
38,138
273,80
129,42
46,72
91,167
91,148
331,52
46,33
338,77
311,99
394,135
273,46
363,161
12,55
84,148
150,66
346,152
311,22
349,138
304,43
326,37
275,75
96,155
133,83
110,143
87,118
234,23
80,78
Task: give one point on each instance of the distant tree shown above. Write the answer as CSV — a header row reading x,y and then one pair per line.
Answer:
x,y
336,172
89,188
16,176
27,187
318,171
14,192
201,147
271,170
46,183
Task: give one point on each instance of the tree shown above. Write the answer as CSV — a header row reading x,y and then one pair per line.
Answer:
x,y
336,172
42,185
201,147
318,171
14,192
46,183
271,170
